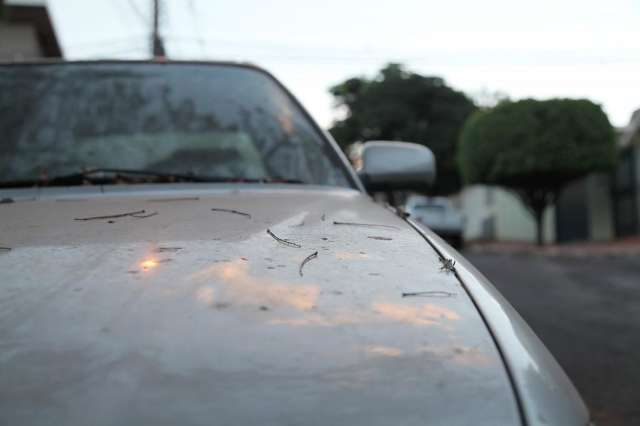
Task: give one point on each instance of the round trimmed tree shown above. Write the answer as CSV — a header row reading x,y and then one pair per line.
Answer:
x,y
535,148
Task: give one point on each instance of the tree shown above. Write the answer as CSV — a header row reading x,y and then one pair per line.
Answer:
x,y
536,147
401,105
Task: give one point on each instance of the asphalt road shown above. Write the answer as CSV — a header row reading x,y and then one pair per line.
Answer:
x,y
587,312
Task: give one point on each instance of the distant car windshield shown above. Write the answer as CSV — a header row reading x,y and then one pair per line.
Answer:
x,y
217,120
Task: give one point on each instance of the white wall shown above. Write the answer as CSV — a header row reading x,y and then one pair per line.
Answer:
x,y
600,207
515,222
482,205
471,203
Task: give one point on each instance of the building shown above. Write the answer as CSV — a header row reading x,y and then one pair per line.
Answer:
x,y
26,32
604,207
598,207
584,211
491,213
626,181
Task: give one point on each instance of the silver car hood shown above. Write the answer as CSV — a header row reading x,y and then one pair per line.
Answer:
x,y
196,316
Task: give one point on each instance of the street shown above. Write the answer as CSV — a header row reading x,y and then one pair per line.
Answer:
x,y
586,310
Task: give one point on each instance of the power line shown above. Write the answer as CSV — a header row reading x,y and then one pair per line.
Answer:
x,y
252,45
107,42
306,55
137,11
115,53
323,54
124,12
196,27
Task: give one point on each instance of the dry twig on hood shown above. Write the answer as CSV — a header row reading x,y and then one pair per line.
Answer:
x,y
307,259
368,225
283,241
429,294
112,216
232,211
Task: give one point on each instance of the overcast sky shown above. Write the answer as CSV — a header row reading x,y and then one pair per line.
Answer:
x,y
535,49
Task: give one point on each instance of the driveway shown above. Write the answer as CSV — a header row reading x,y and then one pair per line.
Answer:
x,y
586,309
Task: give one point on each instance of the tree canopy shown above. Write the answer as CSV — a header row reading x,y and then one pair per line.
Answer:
x,y
404,106
536,147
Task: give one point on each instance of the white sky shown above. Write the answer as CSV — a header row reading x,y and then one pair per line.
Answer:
x,y
542,48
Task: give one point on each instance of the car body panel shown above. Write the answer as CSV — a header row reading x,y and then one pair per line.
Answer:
x,y
194,316
546,394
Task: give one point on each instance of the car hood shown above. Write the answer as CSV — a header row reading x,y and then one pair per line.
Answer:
x,y
191,312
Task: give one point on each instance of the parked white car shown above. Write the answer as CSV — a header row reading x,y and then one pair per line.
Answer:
x,y
439,215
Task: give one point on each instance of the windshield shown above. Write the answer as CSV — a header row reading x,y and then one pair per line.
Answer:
x,y
222,121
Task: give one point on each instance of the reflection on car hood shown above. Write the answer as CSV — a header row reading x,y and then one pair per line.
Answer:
x,y
199,316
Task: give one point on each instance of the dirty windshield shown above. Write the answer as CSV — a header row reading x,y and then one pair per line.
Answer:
x,y
211,122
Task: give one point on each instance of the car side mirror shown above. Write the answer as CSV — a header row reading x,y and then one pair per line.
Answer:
x,y
388,166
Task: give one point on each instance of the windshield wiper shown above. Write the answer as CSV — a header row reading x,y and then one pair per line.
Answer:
x,y
106,176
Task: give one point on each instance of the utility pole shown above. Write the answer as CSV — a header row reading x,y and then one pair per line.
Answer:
x,y
157,50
